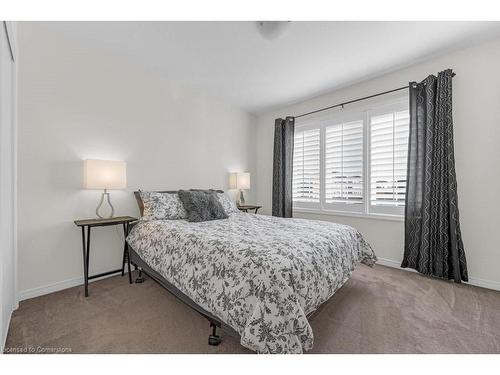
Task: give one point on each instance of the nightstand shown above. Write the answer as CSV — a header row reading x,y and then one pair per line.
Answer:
x,y
247,207
91,223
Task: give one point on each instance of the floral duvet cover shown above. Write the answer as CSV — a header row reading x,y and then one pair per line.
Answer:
x,y
261,275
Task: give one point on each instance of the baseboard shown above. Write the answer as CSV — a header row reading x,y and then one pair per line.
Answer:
x,y
488,284
392,263
55,287
60,285
50,288
6,330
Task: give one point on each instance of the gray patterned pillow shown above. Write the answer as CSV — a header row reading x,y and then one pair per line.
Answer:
x,y
162,206
202,205
227,203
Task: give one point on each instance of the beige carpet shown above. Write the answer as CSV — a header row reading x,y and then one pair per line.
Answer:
x,y
380,310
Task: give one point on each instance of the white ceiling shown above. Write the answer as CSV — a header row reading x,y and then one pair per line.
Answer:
x,y
232,61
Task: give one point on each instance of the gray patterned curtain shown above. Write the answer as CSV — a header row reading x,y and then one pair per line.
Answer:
x,y
433,242
282,167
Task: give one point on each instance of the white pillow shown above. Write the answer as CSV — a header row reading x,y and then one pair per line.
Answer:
x,y
162,206
227,203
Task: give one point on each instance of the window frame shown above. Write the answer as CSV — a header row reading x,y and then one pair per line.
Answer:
x,y
310,125
343,117
395,106
366,210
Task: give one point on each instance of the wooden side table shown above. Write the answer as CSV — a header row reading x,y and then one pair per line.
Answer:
x,y
247,207
90,223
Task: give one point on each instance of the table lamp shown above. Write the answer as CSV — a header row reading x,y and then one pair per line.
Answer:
x,y
240,181
105,175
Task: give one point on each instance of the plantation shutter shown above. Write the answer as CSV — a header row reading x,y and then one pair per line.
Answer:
x,y
306,166
388,158
344,163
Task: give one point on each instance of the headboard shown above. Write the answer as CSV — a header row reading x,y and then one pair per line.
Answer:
x,y
140,203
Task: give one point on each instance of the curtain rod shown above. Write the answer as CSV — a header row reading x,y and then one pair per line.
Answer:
x,y
355,100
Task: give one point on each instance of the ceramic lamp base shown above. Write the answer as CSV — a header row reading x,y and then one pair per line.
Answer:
x,y
241,199
98,210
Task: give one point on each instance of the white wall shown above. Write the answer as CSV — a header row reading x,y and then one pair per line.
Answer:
x,y
77,103
8,258
476,101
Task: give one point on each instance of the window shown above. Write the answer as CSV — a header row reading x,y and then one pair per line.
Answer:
x,y
389,132
344,165
353,161
306,167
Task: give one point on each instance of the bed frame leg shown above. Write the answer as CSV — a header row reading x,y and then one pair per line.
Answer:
x,y
140,278
213,339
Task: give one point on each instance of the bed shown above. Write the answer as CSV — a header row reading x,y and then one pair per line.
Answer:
x,y
256,276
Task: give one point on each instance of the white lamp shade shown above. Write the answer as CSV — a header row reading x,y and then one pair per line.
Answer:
x,y
104,174
239,181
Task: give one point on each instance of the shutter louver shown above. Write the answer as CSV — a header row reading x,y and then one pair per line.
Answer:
x,y
344,163
306,166
388,158
353,162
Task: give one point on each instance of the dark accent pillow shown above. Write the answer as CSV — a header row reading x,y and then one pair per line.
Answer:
x,y
201,205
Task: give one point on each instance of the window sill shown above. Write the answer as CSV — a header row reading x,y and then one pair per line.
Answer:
x,y
350,214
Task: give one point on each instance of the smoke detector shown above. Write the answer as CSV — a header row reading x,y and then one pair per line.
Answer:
x,y
272,30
